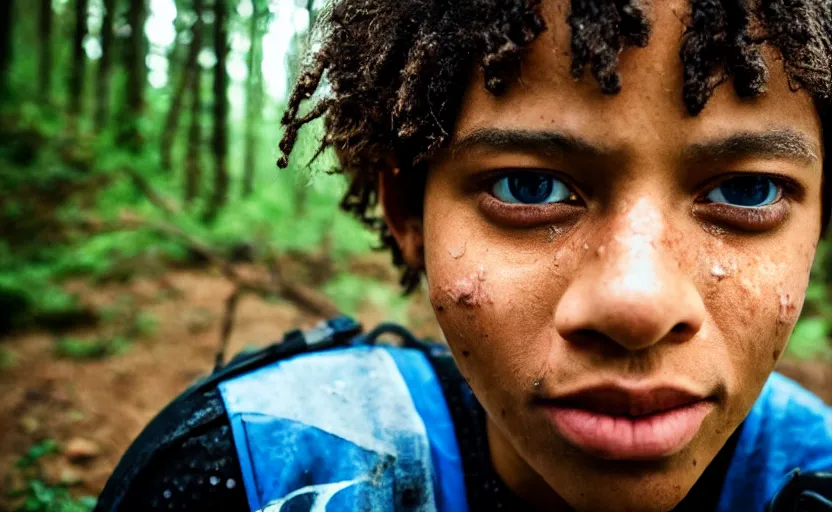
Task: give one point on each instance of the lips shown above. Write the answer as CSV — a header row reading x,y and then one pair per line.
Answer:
x,y
616,401
621,423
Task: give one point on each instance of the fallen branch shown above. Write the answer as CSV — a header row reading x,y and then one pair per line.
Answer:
x,y
308,300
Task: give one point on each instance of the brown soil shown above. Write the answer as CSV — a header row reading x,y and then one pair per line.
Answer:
x,y
108,401
94,409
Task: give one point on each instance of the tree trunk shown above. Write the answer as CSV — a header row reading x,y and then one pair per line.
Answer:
x,y
254,102
102,107
220,136
193,159
187,76
45,64
79,60
135,52
6,13
301,188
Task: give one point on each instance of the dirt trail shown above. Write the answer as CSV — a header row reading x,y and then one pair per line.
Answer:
x,y
108,401
98,407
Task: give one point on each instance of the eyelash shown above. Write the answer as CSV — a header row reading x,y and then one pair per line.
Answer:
x,y
748,219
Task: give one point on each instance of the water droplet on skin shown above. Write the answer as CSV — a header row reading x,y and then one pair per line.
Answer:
x,y
458,252
214,480
231,483
586,246
718,272
167,494
537,384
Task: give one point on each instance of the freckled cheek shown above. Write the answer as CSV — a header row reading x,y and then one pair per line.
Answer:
x,y
756,308
497,320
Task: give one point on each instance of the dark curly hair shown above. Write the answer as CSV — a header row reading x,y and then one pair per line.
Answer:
x,y
397,71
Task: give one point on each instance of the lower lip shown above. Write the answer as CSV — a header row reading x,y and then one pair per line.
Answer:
x,y
626,438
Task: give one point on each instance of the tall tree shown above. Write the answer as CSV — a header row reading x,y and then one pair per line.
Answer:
x,y
6,13
220,135
254,98
193,158
135,52
45,40
300,43
105,64
188,75
78,64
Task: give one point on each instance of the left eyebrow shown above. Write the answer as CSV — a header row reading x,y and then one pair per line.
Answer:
x,y
777,144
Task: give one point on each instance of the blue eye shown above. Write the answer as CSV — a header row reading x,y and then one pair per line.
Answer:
x,y
746,192
530,188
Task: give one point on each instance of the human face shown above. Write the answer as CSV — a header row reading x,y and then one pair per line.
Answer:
x,y
644,276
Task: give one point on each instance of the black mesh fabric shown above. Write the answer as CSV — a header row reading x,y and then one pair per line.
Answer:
x,y
185,459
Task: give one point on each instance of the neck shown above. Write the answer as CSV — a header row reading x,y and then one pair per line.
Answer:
x,y
518,476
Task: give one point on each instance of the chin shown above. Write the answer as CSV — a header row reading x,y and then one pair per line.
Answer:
x,y
658,494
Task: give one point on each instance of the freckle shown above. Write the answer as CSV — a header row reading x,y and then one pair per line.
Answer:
x,y
503,413
440,308
466,353
694,462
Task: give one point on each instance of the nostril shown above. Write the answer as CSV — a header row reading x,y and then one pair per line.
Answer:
x,y
683,331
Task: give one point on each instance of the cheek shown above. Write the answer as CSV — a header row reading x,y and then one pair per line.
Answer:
x,y
495,306
754,298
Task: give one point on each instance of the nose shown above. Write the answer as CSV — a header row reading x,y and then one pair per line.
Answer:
x,y
631,289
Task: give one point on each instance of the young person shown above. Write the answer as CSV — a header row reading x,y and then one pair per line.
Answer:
x,y
615,206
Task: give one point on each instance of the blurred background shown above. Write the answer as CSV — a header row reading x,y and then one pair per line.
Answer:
x,y
145,226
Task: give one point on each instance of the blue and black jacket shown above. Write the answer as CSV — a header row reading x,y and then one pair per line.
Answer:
x,y
327,420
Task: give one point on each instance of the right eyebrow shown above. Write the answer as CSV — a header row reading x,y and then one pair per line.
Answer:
x,y
527,141
783,143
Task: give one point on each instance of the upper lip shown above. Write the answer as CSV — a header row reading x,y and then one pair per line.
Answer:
x,y
616,400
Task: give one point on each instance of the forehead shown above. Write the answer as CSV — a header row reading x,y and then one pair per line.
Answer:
x,y
649,106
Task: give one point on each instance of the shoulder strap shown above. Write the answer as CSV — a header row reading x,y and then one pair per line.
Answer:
x,y
804,492
340,331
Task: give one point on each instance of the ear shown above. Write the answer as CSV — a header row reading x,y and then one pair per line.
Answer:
x,y
405,225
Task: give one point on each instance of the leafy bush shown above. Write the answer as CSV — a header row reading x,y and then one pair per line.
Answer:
x,y
38,496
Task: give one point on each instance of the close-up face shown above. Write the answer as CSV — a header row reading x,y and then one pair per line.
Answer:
x,y
615,277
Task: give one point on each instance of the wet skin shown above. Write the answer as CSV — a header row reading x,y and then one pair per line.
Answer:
x,y
637,278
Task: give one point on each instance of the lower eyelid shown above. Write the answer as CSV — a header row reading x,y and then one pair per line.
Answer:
x,y
524,215
759,219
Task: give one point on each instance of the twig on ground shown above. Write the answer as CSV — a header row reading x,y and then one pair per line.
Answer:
x,y
310,301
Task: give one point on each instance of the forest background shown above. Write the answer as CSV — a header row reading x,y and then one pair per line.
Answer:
x,y
147,233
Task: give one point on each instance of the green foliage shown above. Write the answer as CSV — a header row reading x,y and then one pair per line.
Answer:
x,y
37,451
37,495
97,348
810,339
350,292
144,325
7,358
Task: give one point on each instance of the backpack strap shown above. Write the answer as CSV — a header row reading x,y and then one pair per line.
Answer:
x,y
804,492
340,331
